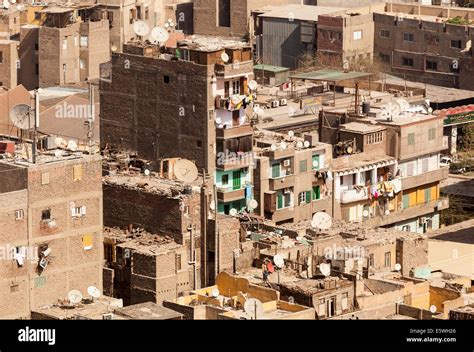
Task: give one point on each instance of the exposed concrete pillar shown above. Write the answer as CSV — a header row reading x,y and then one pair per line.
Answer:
x,y
454,138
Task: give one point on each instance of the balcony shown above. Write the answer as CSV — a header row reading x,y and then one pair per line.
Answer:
x,y
427,177
282,182
354,195
410,213
233,162
234,69
234,132
280,153
283,214
228,194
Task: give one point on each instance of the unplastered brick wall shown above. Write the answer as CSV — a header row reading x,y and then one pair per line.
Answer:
x,y
412,253
158,108
228,237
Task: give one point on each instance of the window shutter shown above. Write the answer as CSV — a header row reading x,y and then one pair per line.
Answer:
x,y
308,196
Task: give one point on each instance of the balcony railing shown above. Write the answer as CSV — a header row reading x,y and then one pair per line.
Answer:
x,y
236,68
354,195
233,132
229,194
234,102
424,178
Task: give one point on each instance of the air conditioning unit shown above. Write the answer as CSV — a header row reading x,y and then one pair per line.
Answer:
x,y
286,162
274,103
283,102
108,316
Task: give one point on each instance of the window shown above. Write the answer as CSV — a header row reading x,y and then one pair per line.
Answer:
x,y
236,87
275,170
388,259
37,16
344,302
406,228
316,192
1,57
178,262
65,43
37,69
302,198
303,166
199,144
431,65
407,61
82,64
357,35
36,46
411,139
46,215
147,13
78,211
19,214
84,41
408,37
223,13
87,242
431,134
384,58
225,179
77,172
374,138
410,169
45,178
64,67
385,33
456,44
371,260
166,79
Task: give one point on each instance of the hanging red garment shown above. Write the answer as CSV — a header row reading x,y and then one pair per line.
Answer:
x,y
270,268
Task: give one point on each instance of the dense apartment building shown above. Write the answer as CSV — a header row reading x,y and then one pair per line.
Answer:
x,y
10,22
163,106
428,44
52,218
291,178
8,63
62,45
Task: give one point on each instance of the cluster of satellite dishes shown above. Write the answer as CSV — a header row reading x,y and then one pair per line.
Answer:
x,y
297,144
75,296
8,3
158,35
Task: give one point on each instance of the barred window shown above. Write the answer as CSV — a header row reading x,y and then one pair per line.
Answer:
x,y
374,138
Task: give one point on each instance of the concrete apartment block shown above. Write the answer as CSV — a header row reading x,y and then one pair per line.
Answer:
x,y
8,63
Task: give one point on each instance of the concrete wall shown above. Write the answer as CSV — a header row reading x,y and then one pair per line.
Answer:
x,y
8,65
98,49
28,75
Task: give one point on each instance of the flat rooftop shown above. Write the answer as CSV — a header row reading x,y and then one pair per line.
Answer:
x,y
148,311
299,12
361,127
212,43
270,68
330,75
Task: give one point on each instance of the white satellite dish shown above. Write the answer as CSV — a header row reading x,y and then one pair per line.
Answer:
x,y
283,145
218,120
433,309
74,296
398,267
225,57
273,147
389,111
306,144
159,35
171,24
141,28
113,48
253,84
404,105
321,220
299,144
72,145
325,269
233,212
22,117
6,4
215,293
279,261
13,1
185,171
167,25
93,292
365,213
291,133
253,204
254,308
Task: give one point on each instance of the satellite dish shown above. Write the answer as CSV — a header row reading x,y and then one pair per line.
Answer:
x,y
322,221
315,163
22,117
171,24
253,204
74,296
233,212
218,120
306,144
141,28
215,293
146,172
212,205
254,308
291,133
13,1
299,144
6,4
225,57
389,111
273,147
72,145
398,267
433,309
113,48
283,145
325,269
159,35
279,261
60,142
93,292
185,171
253,84
365,213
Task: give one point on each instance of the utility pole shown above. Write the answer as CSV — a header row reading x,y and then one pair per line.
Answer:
x,y
36,125
204,210
216,236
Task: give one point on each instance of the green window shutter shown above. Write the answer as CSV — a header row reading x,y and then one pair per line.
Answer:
x,y
315,162
236,180
275,170
406,201
279,201
303,166
427,195
308,196
316,192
